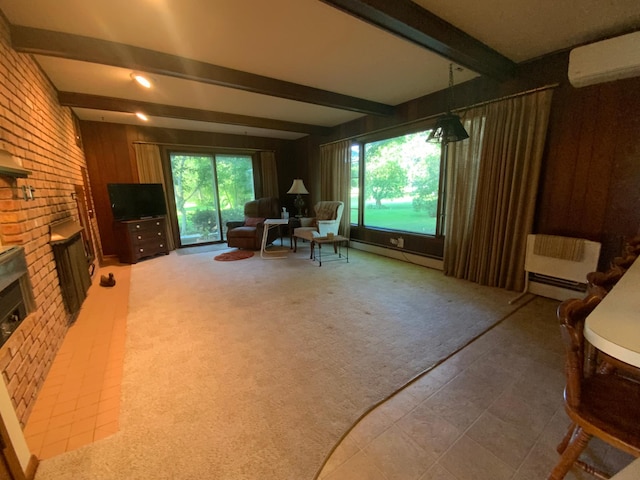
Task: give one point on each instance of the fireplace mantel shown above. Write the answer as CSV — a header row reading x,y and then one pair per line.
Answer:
x,y
64,231
9,167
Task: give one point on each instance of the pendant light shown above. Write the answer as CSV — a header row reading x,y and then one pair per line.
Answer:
x,y
448,127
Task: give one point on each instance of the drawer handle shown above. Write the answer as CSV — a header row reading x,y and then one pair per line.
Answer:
x,y
139,237
161,246
137,226
158,223
159,234
142,249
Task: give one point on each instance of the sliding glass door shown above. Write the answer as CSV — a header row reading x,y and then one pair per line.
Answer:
x,y
209,191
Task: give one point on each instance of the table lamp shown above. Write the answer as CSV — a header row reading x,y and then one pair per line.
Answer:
x,y
298,189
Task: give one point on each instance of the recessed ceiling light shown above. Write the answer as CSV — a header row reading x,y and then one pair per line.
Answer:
x,y
142,116
141,79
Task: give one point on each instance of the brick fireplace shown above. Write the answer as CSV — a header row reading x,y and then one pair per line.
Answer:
x,y
41,138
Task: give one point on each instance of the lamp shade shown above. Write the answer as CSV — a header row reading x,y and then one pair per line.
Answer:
x,y
448,129
298,187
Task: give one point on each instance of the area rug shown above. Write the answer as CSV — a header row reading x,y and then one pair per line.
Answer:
x,y
254,370
196,249
234,255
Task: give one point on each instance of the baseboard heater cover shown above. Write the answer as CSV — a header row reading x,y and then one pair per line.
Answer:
x,y
558,278
557,282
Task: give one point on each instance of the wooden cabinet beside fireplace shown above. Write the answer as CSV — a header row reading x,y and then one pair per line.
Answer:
x,y
141,238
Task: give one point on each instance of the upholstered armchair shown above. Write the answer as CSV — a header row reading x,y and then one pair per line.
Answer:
x,y
327,220
247,234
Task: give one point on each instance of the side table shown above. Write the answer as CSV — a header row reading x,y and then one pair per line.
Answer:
x,y
337,241
271,223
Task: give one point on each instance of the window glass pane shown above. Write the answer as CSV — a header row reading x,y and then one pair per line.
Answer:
x,y
401,181
210,190
355,182
194,190
235,185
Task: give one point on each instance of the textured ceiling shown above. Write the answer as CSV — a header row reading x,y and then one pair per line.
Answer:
x,y
306,42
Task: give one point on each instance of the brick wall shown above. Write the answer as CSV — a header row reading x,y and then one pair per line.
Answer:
x,y
38,132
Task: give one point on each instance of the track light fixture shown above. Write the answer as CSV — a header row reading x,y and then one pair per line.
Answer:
x,y
141,79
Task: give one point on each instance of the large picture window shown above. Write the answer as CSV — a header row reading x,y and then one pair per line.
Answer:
x,y
398,184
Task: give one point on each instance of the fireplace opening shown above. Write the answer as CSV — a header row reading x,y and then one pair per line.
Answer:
x,y
72,263
16,297
12,310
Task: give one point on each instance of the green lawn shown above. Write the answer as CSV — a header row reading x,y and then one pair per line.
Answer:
x,y
399,215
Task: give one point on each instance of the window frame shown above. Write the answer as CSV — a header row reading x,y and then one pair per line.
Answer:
x,y
166,154
431,245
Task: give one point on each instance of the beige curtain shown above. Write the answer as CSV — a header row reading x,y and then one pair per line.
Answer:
x,y
335,178
150,171
269,171
492,181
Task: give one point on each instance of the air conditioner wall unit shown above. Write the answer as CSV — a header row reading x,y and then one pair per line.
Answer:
x,y
605,61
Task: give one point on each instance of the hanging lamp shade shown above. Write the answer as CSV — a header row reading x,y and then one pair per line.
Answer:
x,y
448,127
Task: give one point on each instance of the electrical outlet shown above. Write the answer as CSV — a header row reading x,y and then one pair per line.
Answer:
x,y
394,241
400,242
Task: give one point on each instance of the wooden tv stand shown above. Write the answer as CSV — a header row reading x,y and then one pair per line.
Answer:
x,y
141,238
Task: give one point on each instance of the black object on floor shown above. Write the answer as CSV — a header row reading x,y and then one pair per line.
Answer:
x,y
107,281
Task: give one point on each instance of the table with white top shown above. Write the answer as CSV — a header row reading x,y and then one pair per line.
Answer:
x,y
614,328
632,472
614,325
273,253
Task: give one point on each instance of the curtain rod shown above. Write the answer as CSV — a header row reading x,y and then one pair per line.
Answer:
x,y
486,102
184,145
507,97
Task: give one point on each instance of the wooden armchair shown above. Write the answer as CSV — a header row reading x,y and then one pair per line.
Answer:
x,y
603,404
327,220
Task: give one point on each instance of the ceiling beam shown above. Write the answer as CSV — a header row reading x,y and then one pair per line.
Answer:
x,y
411,22
75,47
111,104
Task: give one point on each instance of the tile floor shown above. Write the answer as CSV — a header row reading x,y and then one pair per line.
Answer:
x,y
80,399
492,411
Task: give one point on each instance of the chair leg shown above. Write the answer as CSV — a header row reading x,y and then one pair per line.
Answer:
x,y
591,360
591,470
562,446
576,446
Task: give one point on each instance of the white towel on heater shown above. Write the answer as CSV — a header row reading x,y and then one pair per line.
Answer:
x,y
565,248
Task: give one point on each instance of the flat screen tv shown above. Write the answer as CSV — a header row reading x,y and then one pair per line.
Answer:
x,y
134,201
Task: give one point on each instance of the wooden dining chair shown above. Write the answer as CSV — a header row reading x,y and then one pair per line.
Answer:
x,y
604,405
604,280
630,252
619,265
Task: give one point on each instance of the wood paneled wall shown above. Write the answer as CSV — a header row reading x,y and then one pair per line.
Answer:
x,y
111,159
590,186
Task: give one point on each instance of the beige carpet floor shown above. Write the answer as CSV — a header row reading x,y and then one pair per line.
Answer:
x,y
254,369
